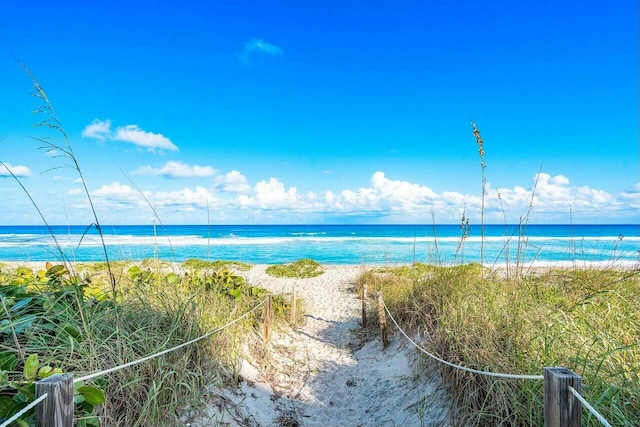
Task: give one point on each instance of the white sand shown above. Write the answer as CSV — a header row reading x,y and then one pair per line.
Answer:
x,y
312,376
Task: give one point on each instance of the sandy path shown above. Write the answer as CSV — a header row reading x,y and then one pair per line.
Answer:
x,y
313,377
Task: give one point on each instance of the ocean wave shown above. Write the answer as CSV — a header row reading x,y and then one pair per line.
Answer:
x,y
231,239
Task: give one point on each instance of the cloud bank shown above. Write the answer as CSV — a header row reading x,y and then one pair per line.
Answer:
x,y
548,199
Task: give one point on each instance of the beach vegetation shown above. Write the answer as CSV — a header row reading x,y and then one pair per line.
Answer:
x,y
55,322
519,320
587,320
301,269
200,264
85,318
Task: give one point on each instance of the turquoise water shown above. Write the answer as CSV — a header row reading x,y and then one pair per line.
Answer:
x,y
330,244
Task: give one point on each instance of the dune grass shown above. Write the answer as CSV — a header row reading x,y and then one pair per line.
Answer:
x,y
70,324
586,320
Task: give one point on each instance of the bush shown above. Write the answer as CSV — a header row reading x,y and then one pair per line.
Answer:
x,y
303,268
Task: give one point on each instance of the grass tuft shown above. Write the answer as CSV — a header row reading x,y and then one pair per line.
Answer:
x,y
586,320
303,268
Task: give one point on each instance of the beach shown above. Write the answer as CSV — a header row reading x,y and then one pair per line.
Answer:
x,y
322,374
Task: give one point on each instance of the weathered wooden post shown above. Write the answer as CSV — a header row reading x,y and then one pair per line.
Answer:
x,y
561,407
267,318
294,299
364,306
56,410
382,317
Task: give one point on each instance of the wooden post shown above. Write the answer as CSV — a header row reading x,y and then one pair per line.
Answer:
x,y
294,298
267,318
364,306
561,408
56,410
382,317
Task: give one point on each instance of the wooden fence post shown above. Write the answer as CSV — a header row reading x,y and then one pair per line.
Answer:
x,y
294,298
364,306
561,408
382,317
267,318
56,410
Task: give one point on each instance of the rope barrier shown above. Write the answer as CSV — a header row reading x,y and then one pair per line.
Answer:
x,y
24,410
453,365
589,407
144,359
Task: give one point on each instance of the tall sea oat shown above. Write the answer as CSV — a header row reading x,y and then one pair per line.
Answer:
x,y
52,121
476,133
464,233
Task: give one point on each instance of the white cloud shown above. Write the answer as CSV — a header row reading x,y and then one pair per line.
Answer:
x,y
117,191
149,140
199,197
19,171
259,46
98,129
125,195
271,195
552,198
173,169
233,182
389,200
102,131
401,195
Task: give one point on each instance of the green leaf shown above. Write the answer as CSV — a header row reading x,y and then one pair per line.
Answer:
x,y
31,367
23,323
71,330
6,406
134,272
24,272
47,371
57,271
173,278
236,293
92,395
44,371
17,306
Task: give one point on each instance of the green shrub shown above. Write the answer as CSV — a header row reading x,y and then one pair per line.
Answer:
x,y
199,264
303,268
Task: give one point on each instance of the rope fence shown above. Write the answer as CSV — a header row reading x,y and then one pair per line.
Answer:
x,y
453,365
160,353
590,408
69,377
558,382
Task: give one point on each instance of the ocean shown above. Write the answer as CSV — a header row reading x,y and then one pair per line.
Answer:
x,y
541,245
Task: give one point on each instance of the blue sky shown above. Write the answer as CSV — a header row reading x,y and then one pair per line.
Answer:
x,y
323,111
